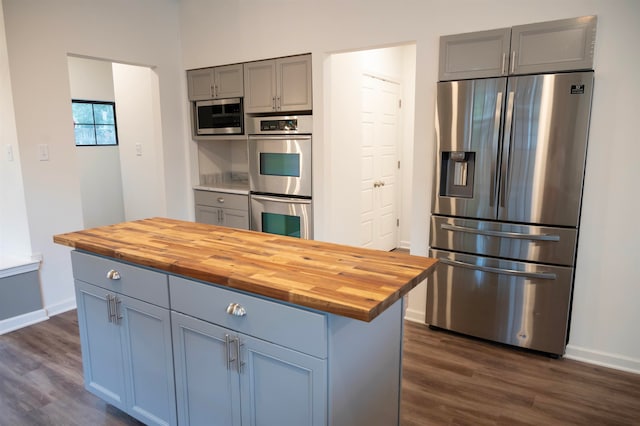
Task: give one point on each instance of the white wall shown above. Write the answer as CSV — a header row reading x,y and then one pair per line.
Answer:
x,y
139,129
14,230
99,166
603,327
40,34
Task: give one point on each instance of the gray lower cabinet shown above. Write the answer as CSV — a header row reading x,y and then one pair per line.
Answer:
x,y
127,353
222,209
227,378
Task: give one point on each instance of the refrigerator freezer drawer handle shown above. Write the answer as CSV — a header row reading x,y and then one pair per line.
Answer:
x,y
503,234
500,271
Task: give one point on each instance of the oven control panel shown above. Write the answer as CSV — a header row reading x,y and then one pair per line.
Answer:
x,y
279,125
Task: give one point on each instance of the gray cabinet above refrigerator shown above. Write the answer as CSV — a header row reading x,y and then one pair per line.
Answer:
x,y
562,45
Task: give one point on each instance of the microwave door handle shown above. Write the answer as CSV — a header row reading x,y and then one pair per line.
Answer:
x,y
286,200
500,271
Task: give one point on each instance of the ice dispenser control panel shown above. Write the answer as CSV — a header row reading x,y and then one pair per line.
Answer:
x,y
456,174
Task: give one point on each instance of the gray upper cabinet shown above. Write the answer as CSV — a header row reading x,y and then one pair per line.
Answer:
x,y
474,55
216,83
282,84
562,45
553,46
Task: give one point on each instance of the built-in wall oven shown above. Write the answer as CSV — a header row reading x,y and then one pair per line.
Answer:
x,y
280,175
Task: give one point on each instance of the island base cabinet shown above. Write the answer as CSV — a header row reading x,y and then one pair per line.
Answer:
x,y
227,378
127,354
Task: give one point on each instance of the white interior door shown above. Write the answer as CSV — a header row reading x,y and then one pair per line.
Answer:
x,y
378,216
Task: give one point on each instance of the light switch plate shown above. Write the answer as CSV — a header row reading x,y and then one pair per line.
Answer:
x,y
43,152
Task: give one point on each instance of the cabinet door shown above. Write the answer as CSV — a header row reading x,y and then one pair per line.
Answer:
x,y
200,84
235,218
280,386
474,55
207,382
561,45
102,358
229,81
294,83
210,215
148,355
260,86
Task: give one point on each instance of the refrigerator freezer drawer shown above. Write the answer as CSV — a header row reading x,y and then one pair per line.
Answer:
x,y
516,303
542,244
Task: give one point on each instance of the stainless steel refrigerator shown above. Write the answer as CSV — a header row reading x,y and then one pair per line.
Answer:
x,y
506,208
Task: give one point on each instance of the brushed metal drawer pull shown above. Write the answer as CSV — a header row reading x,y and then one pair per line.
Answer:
x,y
501,234
113,274
236,309
220,200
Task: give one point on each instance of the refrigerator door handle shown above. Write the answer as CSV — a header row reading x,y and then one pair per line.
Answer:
x,y
506,152
502,234
496,139
500,271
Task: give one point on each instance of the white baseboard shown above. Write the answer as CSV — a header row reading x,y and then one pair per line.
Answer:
x,y
14,323
604,359
414,315
405,245
60,307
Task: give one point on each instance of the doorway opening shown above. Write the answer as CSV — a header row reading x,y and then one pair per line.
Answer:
x,y
125,181
370,114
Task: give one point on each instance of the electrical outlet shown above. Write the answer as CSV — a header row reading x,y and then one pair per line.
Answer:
x,y
138,149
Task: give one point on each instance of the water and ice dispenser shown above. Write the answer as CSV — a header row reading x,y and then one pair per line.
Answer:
x,y
456,173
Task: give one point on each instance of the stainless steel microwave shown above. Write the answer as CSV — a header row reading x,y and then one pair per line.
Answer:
x,y
219,117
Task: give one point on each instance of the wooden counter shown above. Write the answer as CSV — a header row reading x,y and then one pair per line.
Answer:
x,y
348,281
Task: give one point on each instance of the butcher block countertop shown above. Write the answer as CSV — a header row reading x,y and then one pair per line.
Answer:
x,y
349,281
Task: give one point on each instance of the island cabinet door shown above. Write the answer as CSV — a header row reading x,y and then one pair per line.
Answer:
x,y
207,382
102,359
148,360
281,386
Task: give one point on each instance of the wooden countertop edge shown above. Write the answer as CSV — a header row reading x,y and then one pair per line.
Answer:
x,y
297,297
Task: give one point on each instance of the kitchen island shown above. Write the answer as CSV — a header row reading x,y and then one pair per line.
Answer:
x,y
187,323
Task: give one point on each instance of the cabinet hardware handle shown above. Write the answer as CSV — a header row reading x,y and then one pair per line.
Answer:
x,y
239,363
227,342
113,274
220,200
109,309
273,103
513,62
504,60
118,312
278,103
236,309
212,91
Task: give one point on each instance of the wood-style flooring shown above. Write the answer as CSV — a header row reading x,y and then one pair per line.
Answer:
x,y
447,380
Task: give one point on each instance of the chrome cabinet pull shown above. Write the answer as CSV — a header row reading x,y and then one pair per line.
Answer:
x,y
273,103
500,271
239,363
117,311
504,60
278,103
501,234
513,61
113,274
109,308
236,309
220,200
227,341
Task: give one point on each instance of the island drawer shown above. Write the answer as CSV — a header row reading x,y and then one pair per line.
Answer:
x,y
275,322
134,281
222,199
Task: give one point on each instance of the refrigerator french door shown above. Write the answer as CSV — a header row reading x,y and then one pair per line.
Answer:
x,y
506,210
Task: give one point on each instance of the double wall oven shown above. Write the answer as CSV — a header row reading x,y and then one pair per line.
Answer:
x,y
280,175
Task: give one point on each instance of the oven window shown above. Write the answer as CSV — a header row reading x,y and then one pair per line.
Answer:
x,y
281,224
277,164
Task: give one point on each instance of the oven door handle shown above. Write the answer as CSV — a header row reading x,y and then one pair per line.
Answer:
x,y
286,200
281,136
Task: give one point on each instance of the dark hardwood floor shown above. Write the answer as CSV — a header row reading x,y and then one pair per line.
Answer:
x,y
447,380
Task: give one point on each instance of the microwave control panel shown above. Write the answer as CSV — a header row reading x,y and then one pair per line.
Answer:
x,y
279,125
